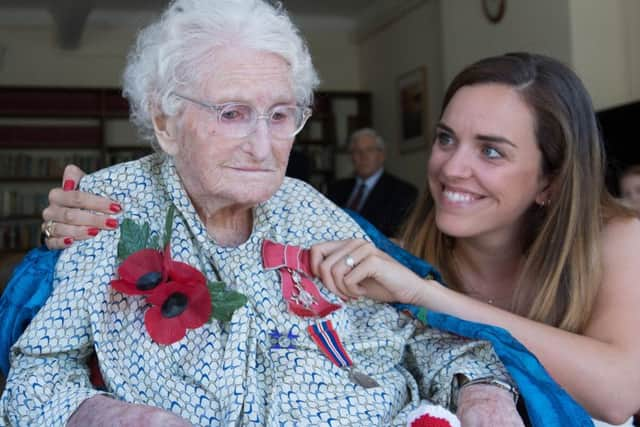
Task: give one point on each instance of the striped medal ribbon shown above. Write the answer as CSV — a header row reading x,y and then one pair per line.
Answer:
x,y
328,341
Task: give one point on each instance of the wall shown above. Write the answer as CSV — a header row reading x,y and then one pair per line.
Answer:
x,y
408,42
608,61
600,40
538,26
632,15
32,58
334,52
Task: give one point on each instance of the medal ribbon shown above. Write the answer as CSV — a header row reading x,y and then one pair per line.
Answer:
x,y
294,265
328,341
303,299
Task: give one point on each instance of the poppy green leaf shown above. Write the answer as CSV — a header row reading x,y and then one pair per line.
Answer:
x,y
226,303
133,237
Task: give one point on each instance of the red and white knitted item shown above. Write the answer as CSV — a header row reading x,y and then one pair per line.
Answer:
x,y
427,415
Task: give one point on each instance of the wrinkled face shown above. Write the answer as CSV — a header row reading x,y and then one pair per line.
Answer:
x,y
630,189
367,157
485,165
219,171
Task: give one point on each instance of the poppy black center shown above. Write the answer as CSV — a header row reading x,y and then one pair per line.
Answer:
x,y
148,280
174,305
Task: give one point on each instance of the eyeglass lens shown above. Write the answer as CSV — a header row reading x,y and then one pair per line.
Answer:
x,y
240,120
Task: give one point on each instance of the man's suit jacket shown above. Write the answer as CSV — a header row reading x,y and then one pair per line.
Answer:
x,y
387,204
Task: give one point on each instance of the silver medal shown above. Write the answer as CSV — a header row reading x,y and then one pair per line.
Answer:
x,y
362,379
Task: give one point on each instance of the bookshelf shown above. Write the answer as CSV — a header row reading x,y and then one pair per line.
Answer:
x,y
44,129
41,131
336,114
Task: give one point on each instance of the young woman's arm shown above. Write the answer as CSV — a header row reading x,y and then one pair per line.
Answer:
x,y
600,369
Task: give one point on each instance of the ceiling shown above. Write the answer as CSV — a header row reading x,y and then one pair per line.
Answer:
x,y
70,16
343,8
338,8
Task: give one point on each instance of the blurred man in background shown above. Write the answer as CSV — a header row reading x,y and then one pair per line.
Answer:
x,y
381,198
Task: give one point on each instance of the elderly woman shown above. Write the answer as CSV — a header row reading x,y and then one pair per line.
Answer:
x,y
222,87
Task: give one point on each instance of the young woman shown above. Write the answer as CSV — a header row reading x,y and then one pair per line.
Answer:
x,y
517,219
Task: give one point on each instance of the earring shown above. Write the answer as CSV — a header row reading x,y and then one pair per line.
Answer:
x,y
545,203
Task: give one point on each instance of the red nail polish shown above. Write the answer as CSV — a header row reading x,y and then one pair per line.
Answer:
x,y
93,231
111,223
68,241
115,208
69,185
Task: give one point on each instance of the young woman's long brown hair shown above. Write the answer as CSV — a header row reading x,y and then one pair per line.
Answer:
x,y
562,259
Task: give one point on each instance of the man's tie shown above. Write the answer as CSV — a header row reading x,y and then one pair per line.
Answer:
x,y
356,200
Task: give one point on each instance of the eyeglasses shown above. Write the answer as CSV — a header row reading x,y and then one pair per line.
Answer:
x,y
236,120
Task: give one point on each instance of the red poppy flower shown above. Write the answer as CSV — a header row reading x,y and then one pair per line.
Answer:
x,y
177,271
176,294
140,273
177,306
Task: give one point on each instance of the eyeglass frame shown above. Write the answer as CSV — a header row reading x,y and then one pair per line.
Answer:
x,y
218,108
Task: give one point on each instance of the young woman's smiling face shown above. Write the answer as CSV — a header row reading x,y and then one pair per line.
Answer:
x,y
485,165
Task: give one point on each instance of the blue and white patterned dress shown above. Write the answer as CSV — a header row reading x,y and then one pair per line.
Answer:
x,y
226,373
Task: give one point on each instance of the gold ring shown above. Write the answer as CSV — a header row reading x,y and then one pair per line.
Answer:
x,y
47,228
349,261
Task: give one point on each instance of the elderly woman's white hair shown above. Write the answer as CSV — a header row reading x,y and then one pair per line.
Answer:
x,y
169,52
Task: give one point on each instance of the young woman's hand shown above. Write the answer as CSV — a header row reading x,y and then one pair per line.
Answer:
x,y
75,215
356,268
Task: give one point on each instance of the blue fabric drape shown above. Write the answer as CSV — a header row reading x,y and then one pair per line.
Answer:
x,y
26,291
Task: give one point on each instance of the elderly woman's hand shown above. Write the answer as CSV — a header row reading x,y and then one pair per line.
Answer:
x,y
75,215
103,411
484,405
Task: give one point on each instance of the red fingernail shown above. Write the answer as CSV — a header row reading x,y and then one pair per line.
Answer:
x,y
69,185
115,208
68,241
111,223
93,231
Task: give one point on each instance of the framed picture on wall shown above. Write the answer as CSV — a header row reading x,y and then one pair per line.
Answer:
x,y
413,106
